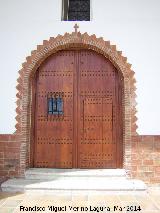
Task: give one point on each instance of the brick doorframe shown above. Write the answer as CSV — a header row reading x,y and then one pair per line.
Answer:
x,y
74,40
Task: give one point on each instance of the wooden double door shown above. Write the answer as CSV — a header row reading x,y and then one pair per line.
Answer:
x,y
77,112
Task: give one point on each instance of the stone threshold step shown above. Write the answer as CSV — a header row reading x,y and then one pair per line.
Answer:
x,y
43,173
19,185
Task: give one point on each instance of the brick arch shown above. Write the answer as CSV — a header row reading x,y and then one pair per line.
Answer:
x,y
75,41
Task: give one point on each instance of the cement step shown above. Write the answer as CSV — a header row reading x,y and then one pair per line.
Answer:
x,y
49,174
77,183
72,180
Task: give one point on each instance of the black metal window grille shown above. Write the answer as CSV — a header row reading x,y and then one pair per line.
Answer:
x,y
76,10
55,104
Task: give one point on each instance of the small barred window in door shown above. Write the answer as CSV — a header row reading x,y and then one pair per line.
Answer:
x,y
55,104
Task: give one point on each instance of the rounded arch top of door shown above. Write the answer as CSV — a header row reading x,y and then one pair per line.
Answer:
x,y
74,41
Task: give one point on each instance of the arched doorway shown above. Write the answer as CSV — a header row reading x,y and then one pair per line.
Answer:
x,y
76,41
78,111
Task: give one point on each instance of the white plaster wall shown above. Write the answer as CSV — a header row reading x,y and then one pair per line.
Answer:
x,y
133,25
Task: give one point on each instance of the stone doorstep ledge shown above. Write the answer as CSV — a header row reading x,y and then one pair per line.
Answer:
x,y
44,173
72,180
92,184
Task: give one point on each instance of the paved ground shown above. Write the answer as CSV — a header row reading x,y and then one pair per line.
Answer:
x,y
148,202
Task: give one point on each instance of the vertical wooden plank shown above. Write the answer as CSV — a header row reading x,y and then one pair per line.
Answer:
x,y
75,110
